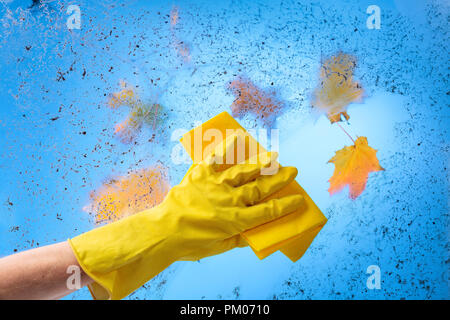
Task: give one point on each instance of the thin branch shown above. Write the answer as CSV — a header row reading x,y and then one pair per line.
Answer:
x,y
345,132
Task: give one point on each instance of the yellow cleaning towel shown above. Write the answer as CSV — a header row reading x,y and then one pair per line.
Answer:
x,y
293,233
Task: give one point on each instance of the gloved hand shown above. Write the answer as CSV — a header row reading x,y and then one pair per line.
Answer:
x,y
200,217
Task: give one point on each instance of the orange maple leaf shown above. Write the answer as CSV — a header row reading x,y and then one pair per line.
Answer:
x,y
129,194
252,99
337,88
352,167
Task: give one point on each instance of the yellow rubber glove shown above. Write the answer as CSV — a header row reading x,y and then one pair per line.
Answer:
x,y
291,234
200,217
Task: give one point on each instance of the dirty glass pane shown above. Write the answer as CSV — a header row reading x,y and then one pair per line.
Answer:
x,y
95,95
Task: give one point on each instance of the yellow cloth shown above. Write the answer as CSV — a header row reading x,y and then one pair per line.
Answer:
x,y
202,216
291,234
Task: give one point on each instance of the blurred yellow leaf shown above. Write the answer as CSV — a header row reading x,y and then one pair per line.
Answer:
x,y
129,194
125,96
337,88
174,16
141,113
181,48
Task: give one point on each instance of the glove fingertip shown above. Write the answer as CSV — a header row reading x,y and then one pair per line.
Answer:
x,y
292,172
291,203
297,200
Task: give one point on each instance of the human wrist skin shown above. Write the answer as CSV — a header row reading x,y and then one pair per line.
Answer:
x,y
134,244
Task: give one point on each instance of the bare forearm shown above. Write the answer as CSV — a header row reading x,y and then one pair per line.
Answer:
x,y
40,273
